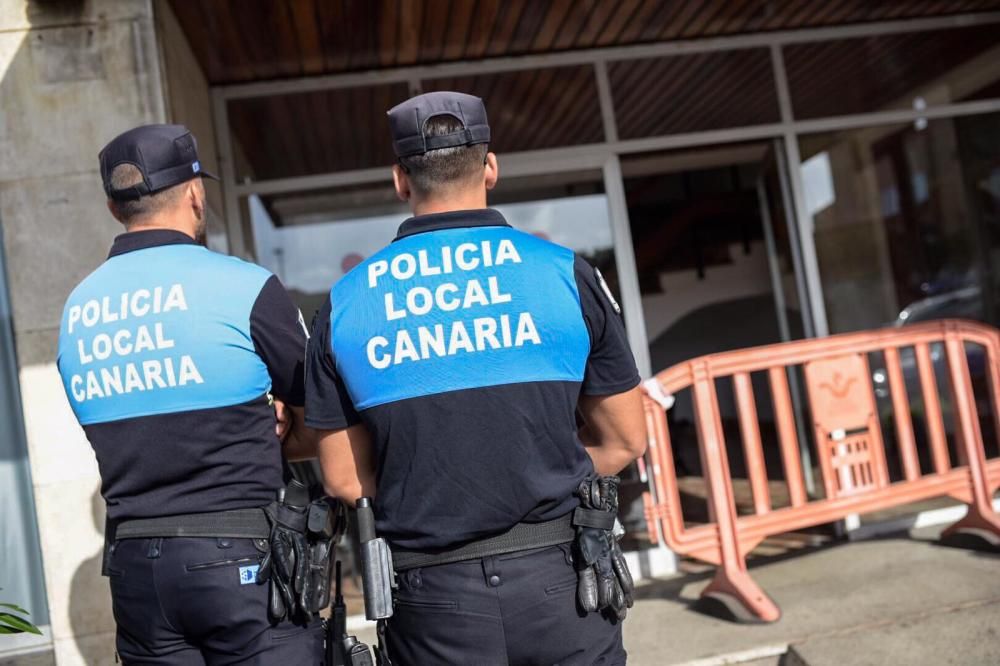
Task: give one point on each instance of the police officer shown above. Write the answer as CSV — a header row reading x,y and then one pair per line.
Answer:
x,y
447,372
170,355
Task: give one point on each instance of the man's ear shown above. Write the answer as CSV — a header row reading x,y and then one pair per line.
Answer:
x,y
401,182
492,172
111,209
195,195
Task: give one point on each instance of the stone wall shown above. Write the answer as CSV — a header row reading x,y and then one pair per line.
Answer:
x,y
73,74
189,102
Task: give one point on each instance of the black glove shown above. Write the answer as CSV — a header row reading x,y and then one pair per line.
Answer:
x,y
604,578
286,562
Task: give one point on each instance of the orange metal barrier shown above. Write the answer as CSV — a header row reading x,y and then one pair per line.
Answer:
x,y
848,439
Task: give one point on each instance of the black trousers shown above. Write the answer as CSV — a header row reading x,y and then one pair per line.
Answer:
x,y
188,601
506,609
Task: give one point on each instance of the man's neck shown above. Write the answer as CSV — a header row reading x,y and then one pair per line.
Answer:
x,y
160,224
466,201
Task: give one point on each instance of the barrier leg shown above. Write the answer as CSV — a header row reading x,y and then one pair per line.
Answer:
x,y
978,530
733,595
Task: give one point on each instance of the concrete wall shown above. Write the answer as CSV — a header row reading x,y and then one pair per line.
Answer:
x,y
73,74
189,103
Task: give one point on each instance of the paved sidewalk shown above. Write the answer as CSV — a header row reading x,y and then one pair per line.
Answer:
x,y
896,600
889,601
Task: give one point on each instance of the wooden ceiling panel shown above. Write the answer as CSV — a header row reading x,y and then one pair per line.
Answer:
x,y
693,93
294,135
872,73
320,132
535,109
247,40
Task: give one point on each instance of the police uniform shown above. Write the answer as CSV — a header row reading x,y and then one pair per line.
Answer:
x,y
169,354
463,347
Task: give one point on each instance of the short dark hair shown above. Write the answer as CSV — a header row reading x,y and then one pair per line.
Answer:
x,y
438,170
128,212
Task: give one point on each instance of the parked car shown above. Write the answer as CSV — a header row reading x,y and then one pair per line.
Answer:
x,y
963,303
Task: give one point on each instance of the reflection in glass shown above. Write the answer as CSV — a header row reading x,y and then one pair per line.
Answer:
x,y
710,283
913,235
913,230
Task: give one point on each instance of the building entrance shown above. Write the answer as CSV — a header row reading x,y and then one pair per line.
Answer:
x,y
717,270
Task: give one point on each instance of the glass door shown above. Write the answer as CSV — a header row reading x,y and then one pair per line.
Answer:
x,y
713,264
716,272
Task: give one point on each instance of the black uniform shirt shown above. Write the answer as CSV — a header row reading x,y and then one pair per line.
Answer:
x,y
464,347
169,353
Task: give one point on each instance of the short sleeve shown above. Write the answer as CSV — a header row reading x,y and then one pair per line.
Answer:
x,y
610,365
328,405
279,337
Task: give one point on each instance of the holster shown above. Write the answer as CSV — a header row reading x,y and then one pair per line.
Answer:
x,y
305,527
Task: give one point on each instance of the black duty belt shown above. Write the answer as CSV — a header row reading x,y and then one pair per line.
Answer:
x,y
236,524
523,536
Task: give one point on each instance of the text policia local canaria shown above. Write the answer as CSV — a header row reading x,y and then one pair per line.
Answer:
x,y
129,340
473,334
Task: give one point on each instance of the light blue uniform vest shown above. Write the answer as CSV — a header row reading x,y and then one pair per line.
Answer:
x,y
161,330
456,309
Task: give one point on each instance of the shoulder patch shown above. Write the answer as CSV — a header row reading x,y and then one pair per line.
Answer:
x,y
607,290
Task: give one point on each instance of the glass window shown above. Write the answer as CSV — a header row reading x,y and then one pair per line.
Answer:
x,y
907,229
311,239
570,209
714,266
534,109
701,253
907,221
21,577
910,70
692,93
312,132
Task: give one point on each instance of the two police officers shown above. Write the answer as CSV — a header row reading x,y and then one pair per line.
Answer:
x,y
447,372
170,355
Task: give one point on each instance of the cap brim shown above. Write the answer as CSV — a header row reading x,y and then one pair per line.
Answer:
x,y
208,174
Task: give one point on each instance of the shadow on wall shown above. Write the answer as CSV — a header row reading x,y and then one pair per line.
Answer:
x,y
90,598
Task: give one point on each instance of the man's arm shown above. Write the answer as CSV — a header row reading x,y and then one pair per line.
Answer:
x,y
348,465
614,432
279,338
614,428
344,443
298,441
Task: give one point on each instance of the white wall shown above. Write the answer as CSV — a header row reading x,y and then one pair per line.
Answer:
x,y
684,292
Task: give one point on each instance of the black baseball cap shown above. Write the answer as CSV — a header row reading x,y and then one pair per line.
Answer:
x,y
407,121
167,155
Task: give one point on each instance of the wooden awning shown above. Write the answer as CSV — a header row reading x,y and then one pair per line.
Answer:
x,y
303,133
